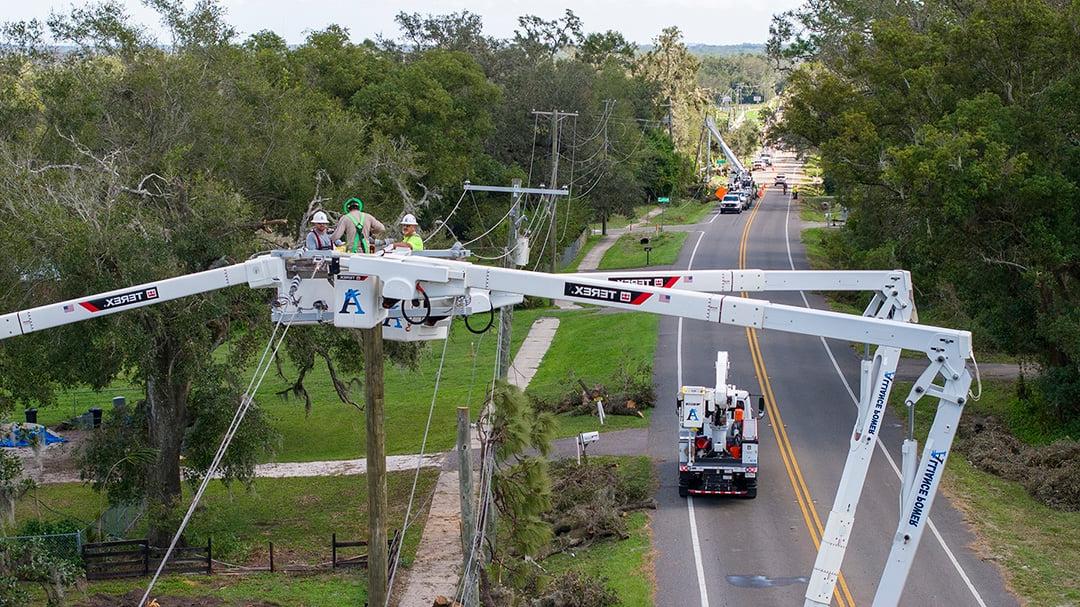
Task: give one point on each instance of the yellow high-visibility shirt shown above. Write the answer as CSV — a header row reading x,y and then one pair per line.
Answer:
x,y
414,241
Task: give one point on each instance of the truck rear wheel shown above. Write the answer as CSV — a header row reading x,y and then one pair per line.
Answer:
x,y
684,491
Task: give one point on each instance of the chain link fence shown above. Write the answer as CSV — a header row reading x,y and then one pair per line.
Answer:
x,y
65,546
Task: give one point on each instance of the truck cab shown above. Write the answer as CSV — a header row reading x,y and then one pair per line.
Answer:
x,y
718,438
731,203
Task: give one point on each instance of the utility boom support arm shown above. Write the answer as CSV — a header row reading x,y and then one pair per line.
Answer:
x,y
891,287
726,309
460,286
259,272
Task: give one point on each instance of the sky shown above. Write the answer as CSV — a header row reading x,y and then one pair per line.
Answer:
x,y
701,21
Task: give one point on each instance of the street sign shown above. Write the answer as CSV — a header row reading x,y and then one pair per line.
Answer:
x,y
663,200
757,98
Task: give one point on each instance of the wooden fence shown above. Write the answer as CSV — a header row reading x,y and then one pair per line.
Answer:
x,y
360,560
136,558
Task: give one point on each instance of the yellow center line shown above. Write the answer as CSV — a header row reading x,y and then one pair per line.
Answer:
x,y
787,453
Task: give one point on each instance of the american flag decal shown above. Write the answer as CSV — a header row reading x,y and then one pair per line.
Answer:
x,y
69,308
688,278
665,298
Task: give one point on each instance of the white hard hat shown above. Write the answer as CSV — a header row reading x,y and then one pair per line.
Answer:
x,y
319,217
408,220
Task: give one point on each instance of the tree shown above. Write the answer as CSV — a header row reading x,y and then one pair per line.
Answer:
x,y
544,38
674,70
462,32
142,166
597,49
522,488
946,129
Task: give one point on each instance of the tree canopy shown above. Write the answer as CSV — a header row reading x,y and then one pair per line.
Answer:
x,y
125,160
950,131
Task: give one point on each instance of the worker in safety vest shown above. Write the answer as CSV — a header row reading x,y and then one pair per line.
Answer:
x,y
356,227
409,239
318,239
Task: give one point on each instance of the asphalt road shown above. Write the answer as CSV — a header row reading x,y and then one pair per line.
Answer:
x,y
714,551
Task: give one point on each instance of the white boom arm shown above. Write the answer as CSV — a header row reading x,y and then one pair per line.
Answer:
x,y
731,157
260,272
892,288
365,289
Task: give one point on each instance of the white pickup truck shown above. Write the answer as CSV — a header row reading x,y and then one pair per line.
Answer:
x,y
731,203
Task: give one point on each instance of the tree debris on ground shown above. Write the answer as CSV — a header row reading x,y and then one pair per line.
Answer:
x,y
590,502
576,589
1050,473
629,392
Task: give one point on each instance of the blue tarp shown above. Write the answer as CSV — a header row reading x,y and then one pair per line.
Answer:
x,y
25,435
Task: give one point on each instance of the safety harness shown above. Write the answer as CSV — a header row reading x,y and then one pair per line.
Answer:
x,y
359,244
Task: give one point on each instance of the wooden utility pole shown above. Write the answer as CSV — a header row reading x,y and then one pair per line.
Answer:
x,y
378,556
506,313
556,116
468,516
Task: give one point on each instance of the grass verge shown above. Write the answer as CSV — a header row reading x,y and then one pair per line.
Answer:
x,y
297,514
811,208
1035,546
591,345
590,242
322,590
627,252
621,221
685,212
626,565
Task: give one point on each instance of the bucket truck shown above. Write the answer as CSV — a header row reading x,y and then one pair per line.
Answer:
x,y
425,292
718,438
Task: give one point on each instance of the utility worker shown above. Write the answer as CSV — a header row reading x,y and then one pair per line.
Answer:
x,y
318,239
356,227
409,239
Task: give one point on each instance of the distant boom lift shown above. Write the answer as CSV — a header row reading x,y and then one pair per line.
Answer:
x,y
366,291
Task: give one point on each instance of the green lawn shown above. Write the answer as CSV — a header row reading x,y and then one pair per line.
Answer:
x,y
297,514
627,564
811,209
627,252
591,347
685,212
590,242
334,430
621,221
322,590
1035,546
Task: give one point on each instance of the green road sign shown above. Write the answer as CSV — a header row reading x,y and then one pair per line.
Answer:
x,y
663,200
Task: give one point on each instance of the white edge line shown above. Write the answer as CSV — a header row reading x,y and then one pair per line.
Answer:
x,y
697,552
698,565
888,456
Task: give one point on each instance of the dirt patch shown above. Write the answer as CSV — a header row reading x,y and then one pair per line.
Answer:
x,y
57,462
131,599
1050,473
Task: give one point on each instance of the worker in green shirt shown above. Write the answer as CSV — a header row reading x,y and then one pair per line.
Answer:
x,y
408,234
